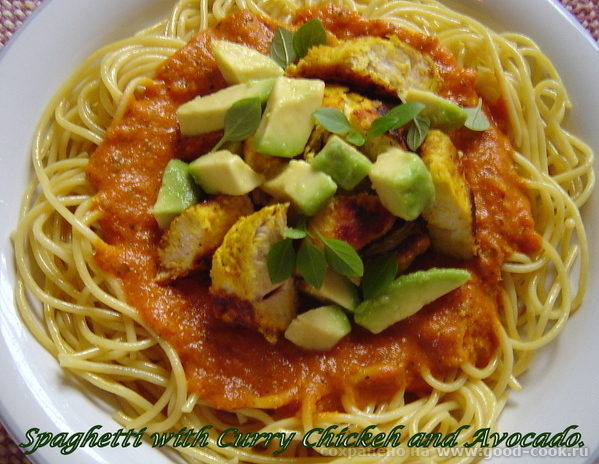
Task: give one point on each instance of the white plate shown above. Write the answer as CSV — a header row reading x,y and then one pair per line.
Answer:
x,y
559,391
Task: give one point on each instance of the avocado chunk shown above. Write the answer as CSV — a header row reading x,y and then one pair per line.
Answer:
x,y
402,182
306,188
406,295
287,121
238,63
178,191
443,114
207,114
223,172
336,289
319,328
343,162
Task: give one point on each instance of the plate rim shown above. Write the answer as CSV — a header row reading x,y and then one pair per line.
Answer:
x,y
47,455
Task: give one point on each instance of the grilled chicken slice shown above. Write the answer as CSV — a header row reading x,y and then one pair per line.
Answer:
x,y
193,236
361,112
407,239
267,165
241,288
356,219
259,162
450,221
372,65
413,246
399,233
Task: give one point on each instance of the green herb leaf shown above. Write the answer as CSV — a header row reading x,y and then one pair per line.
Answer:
x,y
332,120
281,261
309,35
397,117
311,264
355,138
417,132
336,122
241,121
343,258
476,120
281,50
378,275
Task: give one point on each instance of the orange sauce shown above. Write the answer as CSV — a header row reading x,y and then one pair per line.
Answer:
x,y
231,367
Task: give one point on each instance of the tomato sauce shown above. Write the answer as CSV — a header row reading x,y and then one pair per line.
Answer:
x,y
231,367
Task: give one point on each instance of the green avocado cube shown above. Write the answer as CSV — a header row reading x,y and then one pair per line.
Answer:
x,y
403,183
443,114
319,328
336,288
287,121
407,295
343,162
306,188
178,191
239,63
223,172
207,114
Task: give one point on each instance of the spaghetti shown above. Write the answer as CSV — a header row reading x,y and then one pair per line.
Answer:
x,y
87,324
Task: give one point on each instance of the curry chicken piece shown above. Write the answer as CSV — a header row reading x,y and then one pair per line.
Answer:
x,y
413,246
407,239
259,162
356,219
241,288
193,236
372,65
361,112
450,221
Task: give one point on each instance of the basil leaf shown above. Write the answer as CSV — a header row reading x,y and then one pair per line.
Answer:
x,y
417,132
343,258
378,275
281,261
309,35
476,120
336,122
394,119
241,121
354,137
332,120
281,50
379,126
311,264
